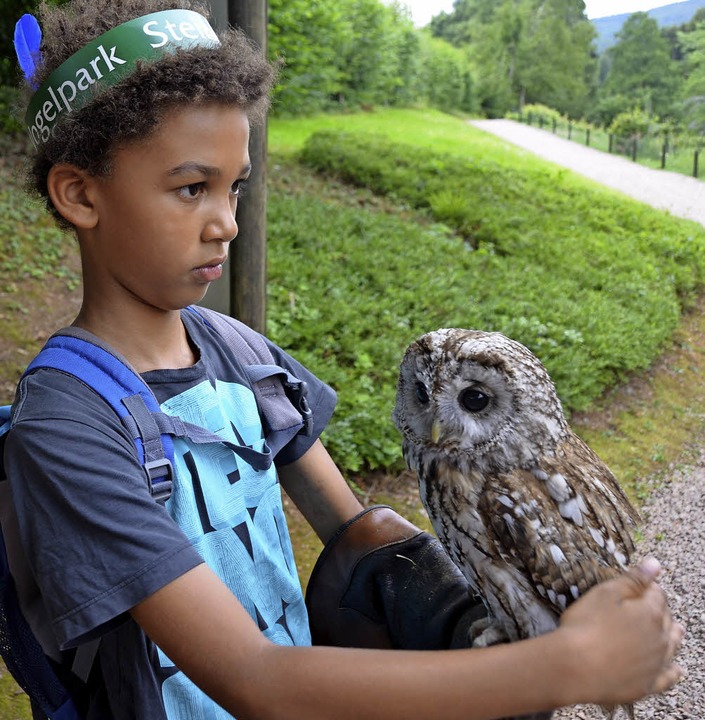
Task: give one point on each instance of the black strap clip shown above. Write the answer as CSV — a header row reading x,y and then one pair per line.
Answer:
x,y
160,477
297,392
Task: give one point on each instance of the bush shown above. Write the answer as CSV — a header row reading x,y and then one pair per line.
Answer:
x,y
607,108
541,113
633,124
10,104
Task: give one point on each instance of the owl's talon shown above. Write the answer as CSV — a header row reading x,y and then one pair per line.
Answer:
x,y
485,632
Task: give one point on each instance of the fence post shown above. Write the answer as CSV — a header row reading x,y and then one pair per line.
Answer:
x,y
587,136
611,143
695,163
554,126
570,130
529,119
664,150
634,149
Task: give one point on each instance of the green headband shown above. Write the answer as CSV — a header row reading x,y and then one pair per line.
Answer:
x,y
108,59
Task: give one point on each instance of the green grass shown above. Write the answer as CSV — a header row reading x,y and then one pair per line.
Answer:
x,y
14,704
424,128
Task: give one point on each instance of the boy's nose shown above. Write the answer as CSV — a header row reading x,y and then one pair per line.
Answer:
x,y
222,225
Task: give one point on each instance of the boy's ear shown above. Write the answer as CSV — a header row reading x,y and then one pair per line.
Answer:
x,y
70,189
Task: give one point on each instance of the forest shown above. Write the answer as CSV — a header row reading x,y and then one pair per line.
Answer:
x,y
490,58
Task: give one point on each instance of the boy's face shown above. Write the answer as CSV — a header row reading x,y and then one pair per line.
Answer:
x,y
166,213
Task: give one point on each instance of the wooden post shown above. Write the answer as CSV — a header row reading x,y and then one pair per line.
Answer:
x,y
218,297
248,266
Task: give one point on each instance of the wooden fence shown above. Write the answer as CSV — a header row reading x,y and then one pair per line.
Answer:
x,y
679,153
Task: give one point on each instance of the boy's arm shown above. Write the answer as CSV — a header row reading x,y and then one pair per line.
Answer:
x,y
317,488
615,645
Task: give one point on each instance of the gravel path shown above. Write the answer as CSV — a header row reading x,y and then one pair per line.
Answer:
x,y
674,517
674,533
681,195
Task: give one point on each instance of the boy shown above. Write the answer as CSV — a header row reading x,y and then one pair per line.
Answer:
x,y
196,603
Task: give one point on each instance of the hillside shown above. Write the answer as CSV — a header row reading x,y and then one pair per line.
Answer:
x,y
666,15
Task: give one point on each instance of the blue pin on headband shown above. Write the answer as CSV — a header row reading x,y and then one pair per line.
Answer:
x,y
28,38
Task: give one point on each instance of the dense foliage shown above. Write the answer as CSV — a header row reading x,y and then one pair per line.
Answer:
x,y
538,52
640,68
346,54
525,51
355,53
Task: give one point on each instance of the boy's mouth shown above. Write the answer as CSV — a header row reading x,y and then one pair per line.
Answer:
x,y
210,271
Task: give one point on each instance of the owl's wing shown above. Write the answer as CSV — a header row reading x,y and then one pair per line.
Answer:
x,y
565,524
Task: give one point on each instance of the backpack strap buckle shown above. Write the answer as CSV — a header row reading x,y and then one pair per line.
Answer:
x,y
160,478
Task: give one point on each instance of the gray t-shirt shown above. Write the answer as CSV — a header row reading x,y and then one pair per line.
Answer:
x,y
97,543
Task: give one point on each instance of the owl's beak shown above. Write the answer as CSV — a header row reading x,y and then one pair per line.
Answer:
x,y
436,431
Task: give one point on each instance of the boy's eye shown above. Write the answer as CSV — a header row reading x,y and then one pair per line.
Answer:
x,y
192,191
237,187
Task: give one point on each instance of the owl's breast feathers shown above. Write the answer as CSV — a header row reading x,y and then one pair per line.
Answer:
x,y
553,529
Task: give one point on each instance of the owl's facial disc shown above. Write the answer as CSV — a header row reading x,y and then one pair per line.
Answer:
x,y
472,406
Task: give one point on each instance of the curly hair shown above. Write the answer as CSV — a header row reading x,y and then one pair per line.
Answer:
x,y
233,73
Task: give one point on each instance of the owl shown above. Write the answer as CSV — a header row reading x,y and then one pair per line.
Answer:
x,y
528,512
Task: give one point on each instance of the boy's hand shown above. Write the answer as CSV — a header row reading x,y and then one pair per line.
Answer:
x,y
631,617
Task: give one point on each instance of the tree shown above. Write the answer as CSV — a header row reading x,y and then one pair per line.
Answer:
x,y
693,45
525,51
307,36
641,67
352,52
448,82
369,60
556,60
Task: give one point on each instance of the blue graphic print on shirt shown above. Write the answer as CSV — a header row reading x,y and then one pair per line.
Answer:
x,y
233,516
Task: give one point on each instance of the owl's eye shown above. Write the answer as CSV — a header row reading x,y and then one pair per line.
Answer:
x,y
473,400
421,393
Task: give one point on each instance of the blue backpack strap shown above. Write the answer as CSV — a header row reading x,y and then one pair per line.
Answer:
x,y
82,355
161,424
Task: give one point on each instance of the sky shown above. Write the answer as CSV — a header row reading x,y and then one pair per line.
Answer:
x,y
423,10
